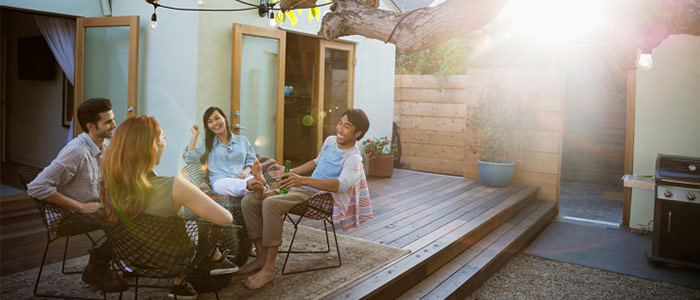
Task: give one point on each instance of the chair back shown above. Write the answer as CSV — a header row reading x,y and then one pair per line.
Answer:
x,y
318,207
154,246
53,216
26,174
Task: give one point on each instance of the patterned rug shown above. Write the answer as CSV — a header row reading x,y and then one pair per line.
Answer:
x,y
359,257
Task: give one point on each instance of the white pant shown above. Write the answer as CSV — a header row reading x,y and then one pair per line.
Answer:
x,y
231,186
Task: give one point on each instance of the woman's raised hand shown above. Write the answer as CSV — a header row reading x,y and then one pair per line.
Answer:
x,y
195,130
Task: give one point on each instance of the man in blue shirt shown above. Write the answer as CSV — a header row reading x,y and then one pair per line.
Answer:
x,y
336,169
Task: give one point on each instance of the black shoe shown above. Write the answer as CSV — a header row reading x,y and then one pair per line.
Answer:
x,y
183,291
97,273
222,265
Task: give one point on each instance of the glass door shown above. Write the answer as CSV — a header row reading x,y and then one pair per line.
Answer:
x,y
257,88
335,85
106,64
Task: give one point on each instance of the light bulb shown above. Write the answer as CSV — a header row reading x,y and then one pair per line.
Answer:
x,y
273,23
154,20
200,2
645,62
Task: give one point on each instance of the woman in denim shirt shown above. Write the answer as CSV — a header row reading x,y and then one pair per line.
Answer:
x,y
230,159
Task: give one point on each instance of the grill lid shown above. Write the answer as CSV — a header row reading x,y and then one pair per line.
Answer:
x,y
678,169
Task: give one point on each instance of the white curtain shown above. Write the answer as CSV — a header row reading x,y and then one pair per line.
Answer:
x,y
60,35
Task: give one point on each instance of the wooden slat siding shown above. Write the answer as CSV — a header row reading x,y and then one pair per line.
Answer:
x,y
416,150
433,123
398,277
543,159
416,204
431,137
417,213
465,281
428,126
412,232
444,110
433,165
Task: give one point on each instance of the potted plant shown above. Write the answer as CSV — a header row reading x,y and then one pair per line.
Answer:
x,y
381,156
501,127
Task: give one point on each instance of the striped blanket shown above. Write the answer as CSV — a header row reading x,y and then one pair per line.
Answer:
x,y
353,207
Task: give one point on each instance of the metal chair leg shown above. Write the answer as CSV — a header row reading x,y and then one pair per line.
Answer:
x,y
41,269
289,251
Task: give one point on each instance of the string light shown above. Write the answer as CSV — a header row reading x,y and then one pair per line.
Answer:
x,y
154,18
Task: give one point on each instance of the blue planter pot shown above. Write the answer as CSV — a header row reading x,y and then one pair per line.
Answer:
x,y
496,174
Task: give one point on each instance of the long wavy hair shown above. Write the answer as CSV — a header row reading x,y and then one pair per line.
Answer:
x,y
130,157
208,134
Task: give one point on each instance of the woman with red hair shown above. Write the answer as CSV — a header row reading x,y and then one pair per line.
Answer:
x,y
129,187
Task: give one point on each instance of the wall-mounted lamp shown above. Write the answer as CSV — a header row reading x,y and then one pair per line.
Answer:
x,y
644,59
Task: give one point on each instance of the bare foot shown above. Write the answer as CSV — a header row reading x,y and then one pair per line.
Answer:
x,y
253,266
257,187
260,279
257,172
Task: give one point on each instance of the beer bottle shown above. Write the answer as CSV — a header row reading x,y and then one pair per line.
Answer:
x,y
287,165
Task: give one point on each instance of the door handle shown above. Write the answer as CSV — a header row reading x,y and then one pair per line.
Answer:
x,y
239,127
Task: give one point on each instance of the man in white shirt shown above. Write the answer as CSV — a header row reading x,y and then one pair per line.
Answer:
x,y
336,169
71,181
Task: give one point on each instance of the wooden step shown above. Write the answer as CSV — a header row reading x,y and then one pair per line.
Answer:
x,y
466,272
20,206
431,251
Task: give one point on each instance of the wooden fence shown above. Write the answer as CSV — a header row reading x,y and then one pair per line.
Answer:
x,y
433,124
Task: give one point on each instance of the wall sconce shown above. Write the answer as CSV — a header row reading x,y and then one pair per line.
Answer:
x,y
644,60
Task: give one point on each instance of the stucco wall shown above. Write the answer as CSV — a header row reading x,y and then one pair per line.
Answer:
x,y
185,64
666,115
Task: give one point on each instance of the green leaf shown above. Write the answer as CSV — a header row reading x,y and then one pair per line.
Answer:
x,y
316,12
292,17
280,18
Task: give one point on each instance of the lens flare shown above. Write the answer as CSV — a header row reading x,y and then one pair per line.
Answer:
x,y
307,120
261,141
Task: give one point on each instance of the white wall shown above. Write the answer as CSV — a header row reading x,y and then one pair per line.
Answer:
x,y
185,64
667,115
34,131
167,73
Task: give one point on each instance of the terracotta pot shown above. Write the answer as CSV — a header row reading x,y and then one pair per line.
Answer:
x,y
381,166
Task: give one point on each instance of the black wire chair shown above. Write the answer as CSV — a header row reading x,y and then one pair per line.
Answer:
x,y
157,247
239,245
56,219
318,207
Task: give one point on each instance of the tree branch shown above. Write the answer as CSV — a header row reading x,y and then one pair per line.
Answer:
x,y
644,23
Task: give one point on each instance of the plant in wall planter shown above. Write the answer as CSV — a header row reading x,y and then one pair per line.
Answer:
x,y
500,125
380,153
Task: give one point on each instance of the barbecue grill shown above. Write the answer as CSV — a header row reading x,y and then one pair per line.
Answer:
x,y
676,236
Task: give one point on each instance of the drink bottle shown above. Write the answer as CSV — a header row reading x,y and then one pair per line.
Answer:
x,y
287,165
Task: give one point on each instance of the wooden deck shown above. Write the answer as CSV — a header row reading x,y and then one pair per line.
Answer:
x,y
439,218
459,232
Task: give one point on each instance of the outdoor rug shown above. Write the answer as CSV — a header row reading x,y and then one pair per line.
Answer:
x,y
531,277
359,258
